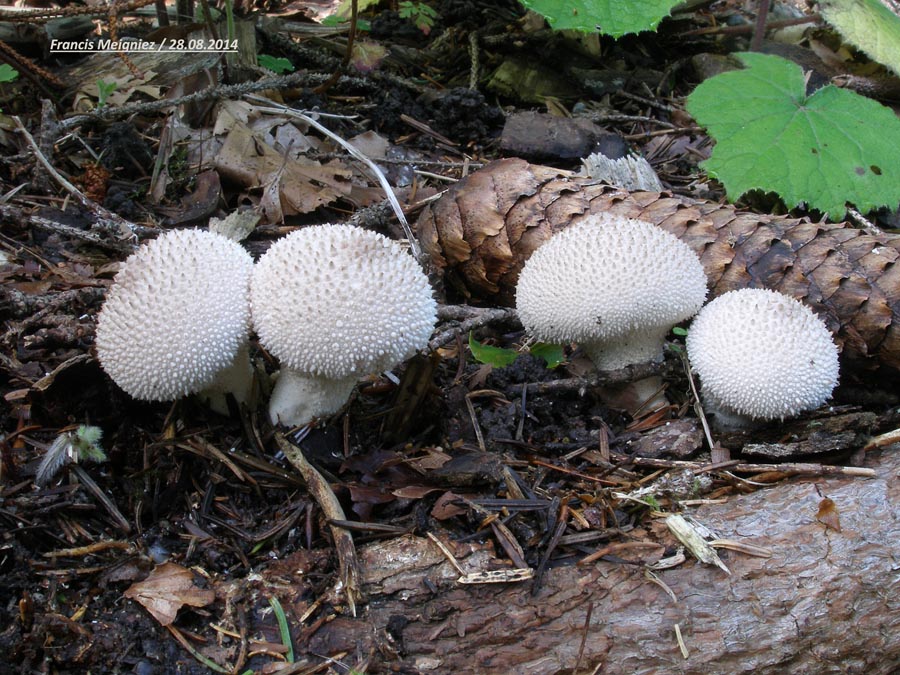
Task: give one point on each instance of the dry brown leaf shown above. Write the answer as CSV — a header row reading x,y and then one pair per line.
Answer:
x,y
290,186
446,507
483,229
166,590
414,491
828,514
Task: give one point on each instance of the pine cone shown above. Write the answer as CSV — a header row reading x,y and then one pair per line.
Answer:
x,y
480,233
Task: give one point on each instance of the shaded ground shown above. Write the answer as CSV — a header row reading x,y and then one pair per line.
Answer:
x,y
455,449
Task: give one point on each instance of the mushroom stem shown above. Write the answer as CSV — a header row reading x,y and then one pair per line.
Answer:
x,y
298,399
236,379
644,346
636,347
723,419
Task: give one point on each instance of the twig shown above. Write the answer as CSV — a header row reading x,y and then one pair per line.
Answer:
x,y
471,317
661,132
792,469
123,226
600,118
562,521
867,225
737,30
882,440
477,427
90,549
578,384
23,305
87,236
223,91
698,405
331,507
759,31
811,469
646,101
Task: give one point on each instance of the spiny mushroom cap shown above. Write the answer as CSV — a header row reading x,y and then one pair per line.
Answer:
x,y
763,355
176,315
606,278
337,301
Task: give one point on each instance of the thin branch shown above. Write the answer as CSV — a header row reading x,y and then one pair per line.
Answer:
x,y
471,319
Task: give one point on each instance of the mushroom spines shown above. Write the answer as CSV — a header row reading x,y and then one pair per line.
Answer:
x,y
176,315
337,300
762,355
604,277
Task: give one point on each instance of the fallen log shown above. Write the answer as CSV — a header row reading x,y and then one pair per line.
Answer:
x,y
824,602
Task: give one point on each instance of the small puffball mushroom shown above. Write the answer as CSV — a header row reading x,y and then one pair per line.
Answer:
x,y
761,355
614,285
335,303
176,320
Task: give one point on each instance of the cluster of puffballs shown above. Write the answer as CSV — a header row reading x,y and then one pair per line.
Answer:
x,y
333,303
617,286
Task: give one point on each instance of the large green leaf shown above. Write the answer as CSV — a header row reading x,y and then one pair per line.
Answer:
x,y
867,25
611,17
829,149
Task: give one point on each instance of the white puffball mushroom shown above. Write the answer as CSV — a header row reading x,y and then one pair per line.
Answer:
x,y
614,285
177,318
334,303
761,355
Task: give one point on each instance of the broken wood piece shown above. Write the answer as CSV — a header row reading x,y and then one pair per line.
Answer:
x,y
331,507
694,541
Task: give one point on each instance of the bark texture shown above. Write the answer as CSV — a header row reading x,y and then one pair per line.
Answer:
x,y
824,602
480,233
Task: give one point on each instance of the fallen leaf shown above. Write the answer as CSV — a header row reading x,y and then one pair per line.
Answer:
x,y
414,491
290,186
446,507
828,514
366,55
166,590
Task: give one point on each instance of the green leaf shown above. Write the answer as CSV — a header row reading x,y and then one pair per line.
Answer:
x,y
104,89
826,150
492,356
553,355
8,73
277,65
88,434
610,17
334,20
867,25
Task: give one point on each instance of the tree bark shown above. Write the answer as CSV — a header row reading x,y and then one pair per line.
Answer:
x,y
824,602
